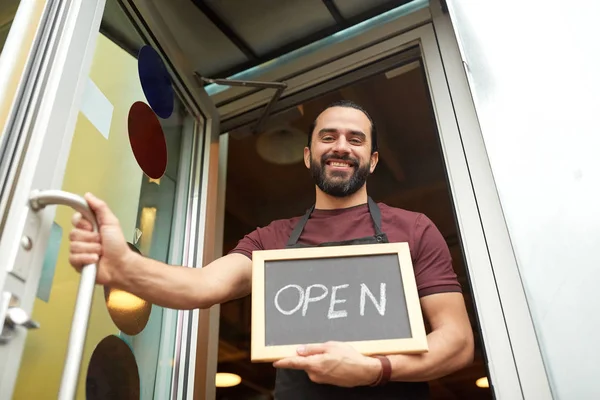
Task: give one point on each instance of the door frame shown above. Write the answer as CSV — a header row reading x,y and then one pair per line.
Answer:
x,y
513,354
196,344
19,66
526,350
47,116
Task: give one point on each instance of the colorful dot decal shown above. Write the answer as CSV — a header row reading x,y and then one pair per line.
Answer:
x,y
155,82
112,372
146,135
129,313
147,140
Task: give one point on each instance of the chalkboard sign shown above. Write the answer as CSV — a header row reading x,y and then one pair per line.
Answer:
x,y
365,295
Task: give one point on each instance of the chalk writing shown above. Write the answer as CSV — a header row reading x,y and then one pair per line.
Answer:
x,y
310,295
382,299
308,299
300,300
339,313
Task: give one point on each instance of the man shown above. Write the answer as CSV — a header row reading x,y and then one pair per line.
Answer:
x,y
341,154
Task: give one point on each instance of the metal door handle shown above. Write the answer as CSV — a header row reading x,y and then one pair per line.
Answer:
x,y
68,385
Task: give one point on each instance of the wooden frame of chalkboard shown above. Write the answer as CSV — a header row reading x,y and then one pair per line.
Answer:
x,y
414,341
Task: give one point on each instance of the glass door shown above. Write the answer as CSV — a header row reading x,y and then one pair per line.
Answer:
x,y
106,116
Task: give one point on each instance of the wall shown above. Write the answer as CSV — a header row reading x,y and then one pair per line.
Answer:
x,y
534,72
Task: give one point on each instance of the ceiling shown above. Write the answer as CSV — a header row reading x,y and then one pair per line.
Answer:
x,y
223,37
411,175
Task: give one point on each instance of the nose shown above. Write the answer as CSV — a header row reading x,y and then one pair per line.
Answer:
x,y
341,145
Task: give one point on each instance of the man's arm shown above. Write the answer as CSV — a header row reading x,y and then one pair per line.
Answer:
x,y
182,288
450,349
451,338
450,341
168,286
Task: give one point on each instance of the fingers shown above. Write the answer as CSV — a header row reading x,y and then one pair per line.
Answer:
x,y
303,359
293,363
85,248
79,235
103,213
78,261
81,223
313,366
312,349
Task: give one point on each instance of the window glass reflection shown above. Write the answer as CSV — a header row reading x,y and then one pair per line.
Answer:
x,y
8,10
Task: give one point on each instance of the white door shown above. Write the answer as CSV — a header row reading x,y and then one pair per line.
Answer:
x,y
78,113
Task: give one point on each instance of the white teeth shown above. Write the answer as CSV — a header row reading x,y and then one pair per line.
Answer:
x,y
339,164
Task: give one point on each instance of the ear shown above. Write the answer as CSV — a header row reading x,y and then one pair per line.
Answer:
x,y
307,157
374,161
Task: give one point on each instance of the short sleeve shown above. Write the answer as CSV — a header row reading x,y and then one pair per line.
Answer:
x,y
249,243
432,260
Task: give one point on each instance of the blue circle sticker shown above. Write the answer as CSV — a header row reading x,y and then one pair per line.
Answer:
x,y
155,81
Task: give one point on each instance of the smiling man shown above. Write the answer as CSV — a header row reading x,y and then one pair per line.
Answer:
x,y
341,154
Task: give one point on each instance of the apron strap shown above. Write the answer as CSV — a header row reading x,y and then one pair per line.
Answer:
x,y
375,216
373,210
295,235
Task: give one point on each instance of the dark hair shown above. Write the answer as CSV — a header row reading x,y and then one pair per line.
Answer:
x,y
347,104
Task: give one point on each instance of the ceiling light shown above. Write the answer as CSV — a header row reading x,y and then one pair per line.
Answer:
x,y
482,382
225,379
282,145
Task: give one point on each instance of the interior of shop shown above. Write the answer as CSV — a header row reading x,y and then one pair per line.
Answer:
x,y
267,180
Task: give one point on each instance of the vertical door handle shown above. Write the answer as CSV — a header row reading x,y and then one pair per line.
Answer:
x,y
79,325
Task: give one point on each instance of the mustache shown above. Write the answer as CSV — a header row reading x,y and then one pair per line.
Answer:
x,y
346,157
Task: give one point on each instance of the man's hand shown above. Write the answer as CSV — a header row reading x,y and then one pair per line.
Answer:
x,y
334,363
108,247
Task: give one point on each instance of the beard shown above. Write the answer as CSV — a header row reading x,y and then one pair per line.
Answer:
x,y
337,184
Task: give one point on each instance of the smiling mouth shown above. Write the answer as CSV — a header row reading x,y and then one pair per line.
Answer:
x,y
340,164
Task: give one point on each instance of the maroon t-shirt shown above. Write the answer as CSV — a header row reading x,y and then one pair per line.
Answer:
x,y
431,258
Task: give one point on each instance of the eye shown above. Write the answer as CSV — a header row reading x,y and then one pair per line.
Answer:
x,y
356,141
327,138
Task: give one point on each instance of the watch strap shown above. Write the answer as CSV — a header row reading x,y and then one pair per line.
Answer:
x,y
386,371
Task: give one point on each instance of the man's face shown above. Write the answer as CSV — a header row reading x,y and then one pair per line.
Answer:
x,y
340,158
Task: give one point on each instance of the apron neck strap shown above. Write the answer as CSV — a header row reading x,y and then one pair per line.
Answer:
x,y
373,211
295,235
375,216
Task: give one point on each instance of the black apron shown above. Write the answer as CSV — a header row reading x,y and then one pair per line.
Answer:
x,y
296,385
